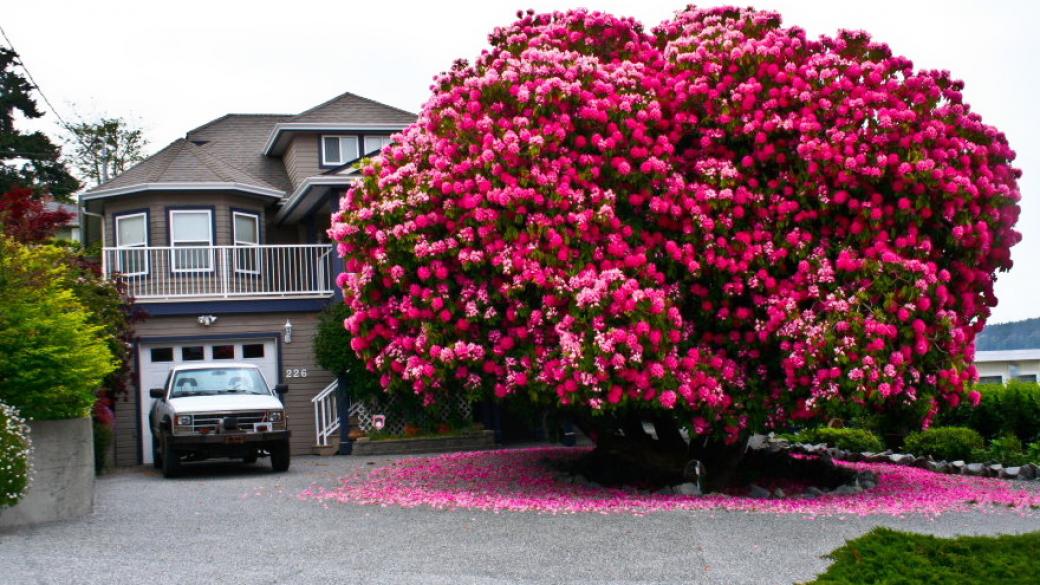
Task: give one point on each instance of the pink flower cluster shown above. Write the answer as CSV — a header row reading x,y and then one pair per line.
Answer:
x,y
720,216
521,480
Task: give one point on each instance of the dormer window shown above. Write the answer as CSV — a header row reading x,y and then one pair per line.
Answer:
x,y
336,150
374,143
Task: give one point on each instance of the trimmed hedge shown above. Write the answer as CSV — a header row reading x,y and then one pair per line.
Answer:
x,y
887,556
1013,409
857,440
949,443
15,448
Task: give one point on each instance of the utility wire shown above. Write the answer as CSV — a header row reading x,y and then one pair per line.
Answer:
x,y
36,86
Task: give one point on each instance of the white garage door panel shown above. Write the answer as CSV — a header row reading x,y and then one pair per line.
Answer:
x,y
156,359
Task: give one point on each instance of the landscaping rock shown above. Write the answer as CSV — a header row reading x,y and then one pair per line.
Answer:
x,y
1010,472
779,493
977,469
847,490
687,489
957,466
758,492
813,492
937,466
853,456
923,462
901,459
994,470
665,491
1028,472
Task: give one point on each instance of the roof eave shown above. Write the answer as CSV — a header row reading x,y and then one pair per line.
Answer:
x,y
183,186
277,140
290,210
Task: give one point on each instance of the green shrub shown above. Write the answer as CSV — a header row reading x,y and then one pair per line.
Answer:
x,y
857,440
103,436
332,351
1005,409
1033,452
949,443
887,556
15,448
1006,450
52,359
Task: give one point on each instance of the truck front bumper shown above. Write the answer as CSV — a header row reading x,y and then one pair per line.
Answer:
x,y
230,439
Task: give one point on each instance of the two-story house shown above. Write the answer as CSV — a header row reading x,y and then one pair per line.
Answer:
x,y
220,238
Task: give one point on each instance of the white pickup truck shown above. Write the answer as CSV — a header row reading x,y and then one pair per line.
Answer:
x,y
226,410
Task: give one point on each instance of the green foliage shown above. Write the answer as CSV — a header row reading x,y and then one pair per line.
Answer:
x,y
52,358
1033,452
105,148
857,440
949,443
332,352
1012,409
27,159
888,556
1006,450
15,449
103,436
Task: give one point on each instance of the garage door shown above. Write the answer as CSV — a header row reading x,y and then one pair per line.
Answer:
x,y
156,359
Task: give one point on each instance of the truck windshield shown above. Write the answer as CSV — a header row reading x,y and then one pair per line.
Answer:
x,y
212,381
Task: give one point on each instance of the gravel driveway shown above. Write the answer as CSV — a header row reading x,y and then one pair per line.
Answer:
x,y
229,523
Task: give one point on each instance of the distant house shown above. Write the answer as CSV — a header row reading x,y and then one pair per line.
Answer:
x,y
1010,364
70,229
220,238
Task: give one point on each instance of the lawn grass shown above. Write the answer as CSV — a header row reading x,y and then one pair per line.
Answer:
x,y
889,557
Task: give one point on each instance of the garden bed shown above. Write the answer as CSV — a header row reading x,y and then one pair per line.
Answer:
x,y
466,441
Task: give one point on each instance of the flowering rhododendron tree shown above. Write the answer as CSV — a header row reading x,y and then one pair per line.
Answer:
x,y
719,224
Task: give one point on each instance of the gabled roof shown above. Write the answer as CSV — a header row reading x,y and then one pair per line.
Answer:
x,y
179,164
239,139
345,112
349,108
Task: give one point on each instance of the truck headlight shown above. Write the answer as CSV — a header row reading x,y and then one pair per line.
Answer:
x,y
275,416
182,420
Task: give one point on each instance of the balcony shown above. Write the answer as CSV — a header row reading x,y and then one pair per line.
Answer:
x,y
197,273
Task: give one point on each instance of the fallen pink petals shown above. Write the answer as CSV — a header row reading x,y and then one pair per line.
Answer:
x,y
520,480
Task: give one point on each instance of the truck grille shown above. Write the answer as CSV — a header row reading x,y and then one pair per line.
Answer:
x,y
211,422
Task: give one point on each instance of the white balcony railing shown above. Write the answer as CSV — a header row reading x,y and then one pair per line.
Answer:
x,y
159,273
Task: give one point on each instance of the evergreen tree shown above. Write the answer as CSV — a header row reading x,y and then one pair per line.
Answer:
x,y
27,159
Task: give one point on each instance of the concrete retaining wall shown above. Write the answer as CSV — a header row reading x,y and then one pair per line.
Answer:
x,y
63,474
467,442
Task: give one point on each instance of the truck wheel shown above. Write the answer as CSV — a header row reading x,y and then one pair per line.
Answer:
x,y
171,465
280,457
250,458
156,454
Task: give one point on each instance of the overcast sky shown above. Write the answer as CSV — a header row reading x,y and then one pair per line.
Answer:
x,y
174,66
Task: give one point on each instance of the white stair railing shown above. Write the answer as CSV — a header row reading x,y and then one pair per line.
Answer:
x,y
326,415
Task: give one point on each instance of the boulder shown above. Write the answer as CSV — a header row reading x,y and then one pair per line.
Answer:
x,y
687,489
813,492
978,469
1028,472
758,492
847,490
937,466
957,466
779,493
994,470
1010,472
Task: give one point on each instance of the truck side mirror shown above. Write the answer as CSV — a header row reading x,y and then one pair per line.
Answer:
x,y
281,388
157,392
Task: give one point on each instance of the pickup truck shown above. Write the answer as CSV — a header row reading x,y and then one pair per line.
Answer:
x,y
227,410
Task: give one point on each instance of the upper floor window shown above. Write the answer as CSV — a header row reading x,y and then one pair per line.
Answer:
x,y
192,229
246,235
132,232
336,150
374,143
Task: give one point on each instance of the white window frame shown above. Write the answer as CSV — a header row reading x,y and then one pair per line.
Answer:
x,y
342,138
243,243
129,247
174,243
384,141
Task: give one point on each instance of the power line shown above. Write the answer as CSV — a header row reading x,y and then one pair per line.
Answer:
x,y
36,86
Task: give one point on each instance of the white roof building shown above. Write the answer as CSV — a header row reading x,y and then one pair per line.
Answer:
x,y
1010,364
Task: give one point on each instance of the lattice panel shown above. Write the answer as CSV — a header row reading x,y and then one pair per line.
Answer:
x,y
361,413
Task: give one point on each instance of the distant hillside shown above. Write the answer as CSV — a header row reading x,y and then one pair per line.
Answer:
x,y
1014,335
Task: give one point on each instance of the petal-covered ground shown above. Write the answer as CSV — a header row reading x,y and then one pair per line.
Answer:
x,y
524,480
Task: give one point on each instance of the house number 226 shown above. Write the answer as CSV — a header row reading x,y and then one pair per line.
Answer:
x,y
296,373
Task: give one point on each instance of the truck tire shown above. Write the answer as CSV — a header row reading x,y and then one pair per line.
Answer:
x,y
156,453
280,457
171,465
